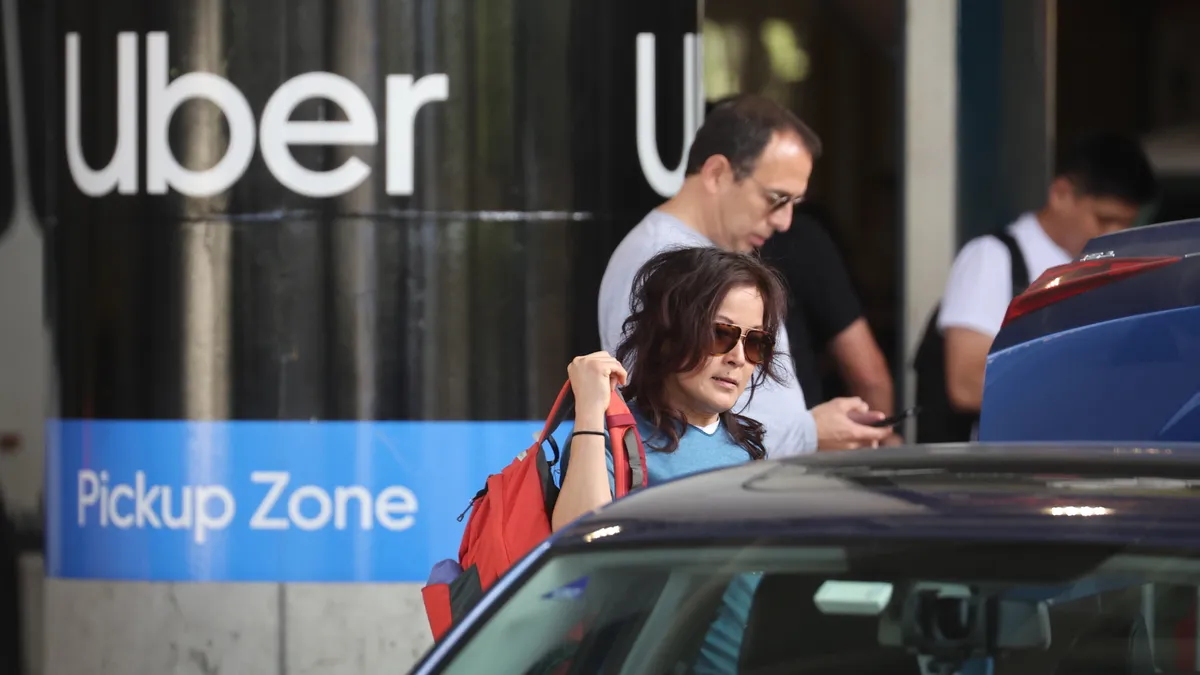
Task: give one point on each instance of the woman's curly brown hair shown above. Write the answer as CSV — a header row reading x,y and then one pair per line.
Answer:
x,y
674,304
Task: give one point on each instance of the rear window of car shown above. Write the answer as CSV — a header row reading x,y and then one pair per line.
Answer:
x,y
896,607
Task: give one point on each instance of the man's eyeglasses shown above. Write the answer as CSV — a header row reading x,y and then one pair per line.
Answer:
x,y
760,345
776,199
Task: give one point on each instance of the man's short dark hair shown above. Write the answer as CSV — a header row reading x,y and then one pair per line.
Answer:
x,y
1110,165
740,127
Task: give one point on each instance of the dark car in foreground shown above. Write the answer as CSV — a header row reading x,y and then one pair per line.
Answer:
x,y
1105,348
1020,558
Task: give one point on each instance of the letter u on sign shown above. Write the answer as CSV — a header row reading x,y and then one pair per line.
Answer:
x,y
665,182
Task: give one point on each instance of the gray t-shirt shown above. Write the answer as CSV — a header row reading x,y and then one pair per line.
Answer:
x,y
789,426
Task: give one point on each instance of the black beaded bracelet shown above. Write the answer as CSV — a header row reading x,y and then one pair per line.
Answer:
x,y
588,433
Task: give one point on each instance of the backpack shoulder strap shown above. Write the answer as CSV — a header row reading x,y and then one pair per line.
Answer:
x,y
628,452
1020,272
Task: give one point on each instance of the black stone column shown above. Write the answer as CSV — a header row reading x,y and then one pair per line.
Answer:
x,y
395,211
371,302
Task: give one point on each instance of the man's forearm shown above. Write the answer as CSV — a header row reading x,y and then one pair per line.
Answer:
x,y
965,390
878,394
966,360
863,367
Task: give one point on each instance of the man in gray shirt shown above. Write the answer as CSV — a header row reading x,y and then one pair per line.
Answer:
x,y
748,164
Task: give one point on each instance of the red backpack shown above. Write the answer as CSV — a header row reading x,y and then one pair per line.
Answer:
x,y
512,513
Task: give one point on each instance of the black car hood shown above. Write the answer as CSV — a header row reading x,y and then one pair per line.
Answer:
x,y
1019,492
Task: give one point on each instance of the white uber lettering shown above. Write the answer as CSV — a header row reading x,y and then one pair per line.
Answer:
x,y
404,99
121,172
666,182
163,97
278,131
275,132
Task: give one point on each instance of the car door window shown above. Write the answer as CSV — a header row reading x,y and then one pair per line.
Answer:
x,y
895,607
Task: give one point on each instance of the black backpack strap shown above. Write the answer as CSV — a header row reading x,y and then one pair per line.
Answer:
x,y
1020,272
939,422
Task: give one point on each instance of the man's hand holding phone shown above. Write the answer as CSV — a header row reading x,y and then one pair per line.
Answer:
x,y
848,424
889,421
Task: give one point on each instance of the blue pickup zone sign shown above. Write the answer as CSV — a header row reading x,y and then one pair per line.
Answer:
x,y
265,501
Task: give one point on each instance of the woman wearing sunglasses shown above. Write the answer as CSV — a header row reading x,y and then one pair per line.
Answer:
x,y
701,331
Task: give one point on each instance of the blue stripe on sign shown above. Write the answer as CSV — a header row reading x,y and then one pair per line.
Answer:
x,y
265,501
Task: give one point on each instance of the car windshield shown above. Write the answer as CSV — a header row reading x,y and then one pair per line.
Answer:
x,y
914,607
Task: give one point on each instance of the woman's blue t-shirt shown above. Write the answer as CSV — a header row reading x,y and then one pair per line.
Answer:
x,y
699,450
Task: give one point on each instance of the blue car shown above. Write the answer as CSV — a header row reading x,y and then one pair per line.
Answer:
x,y
1105,348
1022,558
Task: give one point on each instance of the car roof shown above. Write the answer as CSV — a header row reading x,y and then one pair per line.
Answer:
x,y
1177,237
1019,492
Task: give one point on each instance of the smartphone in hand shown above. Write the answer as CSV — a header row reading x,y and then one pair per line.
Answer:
x,y
897,418
887,421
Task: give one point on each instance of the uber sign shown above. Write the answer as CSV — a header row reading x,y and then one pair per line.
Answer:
x,y
404,97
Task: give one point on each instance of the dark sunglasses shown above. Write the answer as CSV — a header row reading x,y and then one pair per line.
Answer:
x,y
759,345
776,199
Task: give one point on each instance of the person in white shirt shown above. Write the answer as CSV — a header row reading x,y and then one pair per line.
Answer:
x,y
749,163
1100,187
